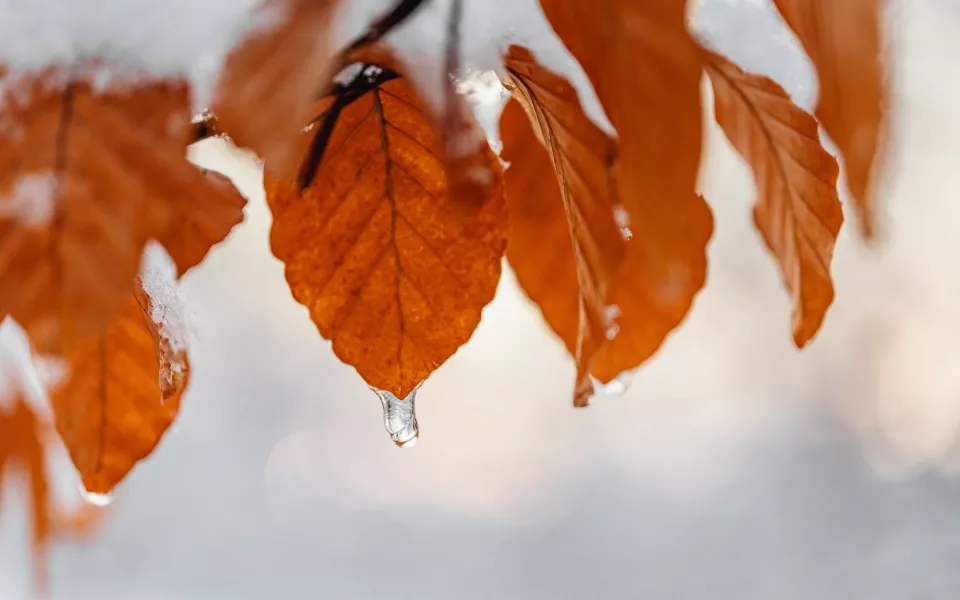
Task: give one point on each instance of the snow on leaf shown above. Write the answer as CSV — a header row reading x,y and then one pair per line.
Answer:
x,y
120,177
31,202
115,406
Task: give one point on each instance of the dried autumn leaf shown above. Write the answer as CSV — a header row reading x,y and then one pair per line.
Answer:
x,y
269,84
798,210
116,404
843,42
646,71
87,176
21,445
565,244
371,245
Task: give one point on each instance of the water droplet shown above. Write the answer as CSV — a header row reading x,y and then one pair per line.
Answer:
x,y
400,417
611,313
620,216
617,387
98,500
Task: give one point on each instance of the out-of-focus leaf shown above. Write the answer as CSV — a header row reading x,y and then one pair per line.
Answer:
x,y
87,175
798,210
564,244
646,71
122,393
269,84
843,42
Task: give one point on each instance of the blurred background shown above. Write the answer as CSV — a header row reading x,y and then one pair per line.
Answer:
x,y
734,467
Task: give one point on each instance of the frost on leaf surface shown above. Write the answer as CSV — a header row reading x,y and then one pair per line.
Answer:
x,y
368,233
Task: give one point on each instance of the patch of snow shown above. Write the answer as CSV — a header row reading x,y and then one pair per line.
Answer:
x,y
159,275
51,370
488,28
32,201
191,38
168,38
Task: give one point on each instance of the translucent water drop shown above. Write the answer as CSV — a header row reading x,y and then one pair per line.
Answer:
x,y
612,331
400,417
622,219
621,216
99,500
611,313
617,387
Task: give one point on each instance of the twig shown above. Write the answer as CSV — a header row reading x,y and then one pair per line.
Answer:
x,y
400,13
345,95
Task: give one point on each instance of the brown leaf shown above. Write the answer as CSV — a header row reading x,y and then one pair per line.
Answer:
x,y
564,244
798,210
843,42
87,176
646,71
117,403
371,246
269,85
21,445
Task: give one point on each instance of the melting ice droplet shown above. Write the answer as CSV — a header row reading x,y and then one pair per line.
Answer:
x,y
400,417
100,500
615,388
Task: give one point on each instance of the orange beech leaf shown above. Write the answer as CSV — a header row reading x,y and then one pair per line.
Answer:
x,y
539,246
270,82
565,244
118,401
87,176
369,239
798,210
646,71
191,234
21,445
466,152
843,42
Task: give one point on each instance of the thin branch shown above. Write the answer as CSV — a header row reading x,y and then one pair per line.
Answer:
x,y
452,64
400,13
369,78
